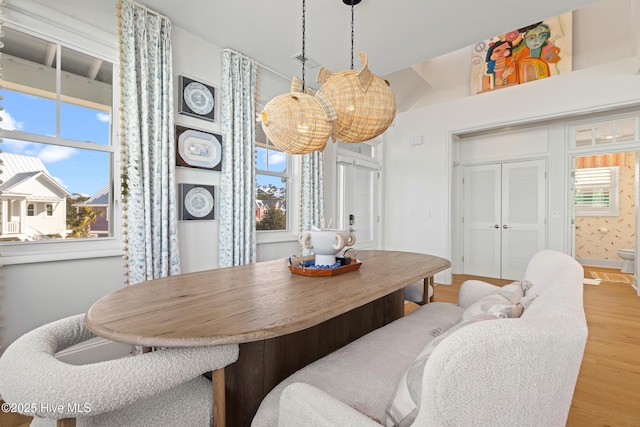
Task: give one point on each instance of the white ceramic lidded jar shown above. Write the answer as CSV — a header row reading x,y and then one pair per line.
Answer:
x,y
326,244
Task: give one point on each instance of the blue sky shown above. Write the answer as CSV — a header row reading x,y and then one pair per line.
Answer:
x,y
277,162
77,170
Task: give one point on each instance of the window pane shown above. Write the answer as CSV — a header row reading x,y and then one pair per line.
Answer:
x,y
604,133
36,176
596,191
271,203
85,124
269,159
19,114
261,158
584,135
625,130
86,94
28,67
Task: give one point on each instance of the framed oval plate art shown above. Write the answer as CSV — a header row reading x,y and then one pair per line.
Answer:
x,y
198,149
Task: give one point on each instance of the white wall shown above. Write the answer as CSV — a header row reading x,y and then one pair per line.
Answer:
x,y
38,293
604,31
199,60
417,185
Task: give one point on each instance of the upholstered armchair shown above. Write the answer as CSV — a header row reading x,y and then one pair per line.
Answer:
x,y
163,387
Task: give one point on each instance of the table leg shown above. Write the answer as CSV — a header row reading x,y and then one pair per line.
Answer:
x,y
219,413
262,365
66,422
428,282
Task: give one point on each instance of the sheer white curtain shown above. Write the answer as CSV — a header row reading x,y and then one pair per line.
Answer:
x,y
237,183
147,140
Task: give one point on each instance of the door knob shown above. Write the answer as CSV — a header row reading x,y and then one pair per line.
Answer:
x,y
506,226
494,226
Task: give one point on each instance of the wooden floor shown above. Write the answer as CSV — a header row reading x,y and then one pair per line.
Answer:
x,y
13,420
608,389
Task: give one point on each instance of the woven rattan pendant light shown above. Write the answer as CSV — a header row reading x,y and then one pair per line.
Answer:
x,y
298,122
364,103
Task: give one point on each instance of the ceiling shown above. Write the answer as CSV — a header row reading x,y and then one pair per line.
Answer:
x,y
398,36
394,34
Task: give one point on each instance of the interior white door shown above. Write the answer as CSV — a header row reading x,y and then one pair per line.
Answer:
x,y
358,200
504,217
482,220
523,215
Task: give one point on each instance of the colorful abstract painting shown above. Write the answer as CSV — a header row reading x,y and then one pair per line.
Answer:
x,y
535,52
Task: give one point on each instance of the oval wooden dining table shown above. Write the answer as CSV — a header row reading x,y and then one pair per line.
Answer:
x,y
281,321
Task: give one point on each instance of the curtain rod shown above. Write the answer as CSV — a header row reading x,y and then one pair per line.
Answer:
x,y
264,67
146,8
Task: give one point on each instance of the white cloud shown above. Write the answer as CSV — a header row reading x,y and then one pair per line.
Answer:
x,y
8,122
103,117
55,153
14,146
277,158
47,153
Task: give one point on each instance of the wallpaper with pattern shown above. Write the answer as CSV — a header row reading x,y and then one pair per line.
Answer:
x,y
600,237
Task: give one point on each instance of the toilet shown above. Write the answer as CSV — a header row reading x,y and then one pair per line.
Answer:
x,y
628,260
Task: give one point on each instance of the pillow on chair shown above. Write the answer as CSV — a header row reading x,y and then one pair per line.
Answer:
x,y
509,300
403,407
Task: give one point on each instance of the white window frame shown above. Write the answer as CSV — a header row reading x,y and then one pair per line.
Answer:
x,y
610,137
292,175
606,178
41,21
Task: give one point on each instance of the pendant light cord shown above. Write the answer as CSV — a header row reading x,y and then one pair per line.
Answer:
x,y
352,32
304,55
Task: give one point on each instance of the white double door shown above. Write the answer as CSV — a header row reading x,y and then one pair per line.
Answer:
x,y
504,217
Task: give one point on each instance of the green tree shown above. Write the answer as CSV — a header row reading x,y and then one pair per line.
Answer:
x,y
274,219
80,218
268,192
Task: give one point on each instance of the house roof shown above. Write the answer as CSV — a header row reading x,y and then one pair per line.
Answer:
x,y
17,179
101,198
9,187
19,163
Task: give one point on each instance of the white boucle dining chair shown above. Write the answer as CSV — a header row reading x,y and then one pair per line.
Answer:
x,y
160,388
415,292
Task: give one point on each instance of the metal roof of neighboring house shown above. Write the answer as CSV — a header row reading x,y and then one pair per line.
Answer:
x,y
271,202
42,198
17,179
101,198
14,164
21,177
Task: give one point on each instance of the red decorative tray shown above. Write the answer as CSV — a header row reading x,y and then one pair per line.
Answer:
x,y
324,272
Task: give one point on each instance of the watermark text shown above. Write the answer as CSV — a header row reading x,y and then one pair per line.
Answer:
x,y
33,408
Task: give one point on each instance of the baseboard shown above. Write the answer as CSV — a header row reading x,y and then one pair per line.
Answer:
x,y
93,351
602,263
